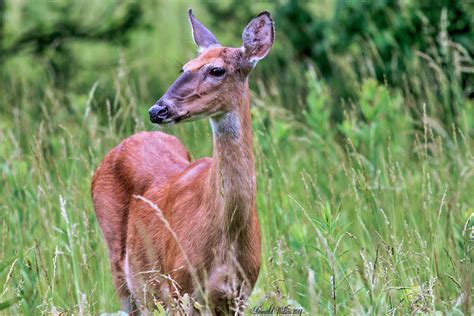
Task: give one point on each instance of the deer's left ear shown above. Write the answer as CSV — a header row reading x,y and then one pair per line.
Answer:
x,y
202,37
258,37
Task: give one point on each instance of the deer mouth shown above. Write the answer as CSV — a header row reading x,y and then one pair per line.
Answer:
x,y
172,120
164,112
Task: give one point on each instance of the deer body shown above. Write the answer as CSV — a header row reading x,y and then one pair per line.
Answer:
x,y
173,226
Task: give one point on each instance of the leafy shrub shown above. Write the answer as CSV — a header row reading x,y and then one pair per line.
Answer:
x,y
418,47
382,119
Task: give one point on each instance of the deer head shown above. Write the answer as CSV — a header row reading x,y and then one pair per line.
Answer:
x,y
211,84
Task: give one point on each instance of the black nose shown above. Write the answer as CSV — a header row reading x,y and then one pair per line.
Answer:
x,y
159,112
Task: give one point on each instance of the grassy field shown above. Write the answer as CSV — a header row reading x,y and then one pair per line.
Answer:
x,y
368,214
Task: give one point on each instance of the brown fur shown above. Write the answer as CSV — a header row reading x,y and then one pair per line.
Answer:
x,y
176,227
223,248
128,170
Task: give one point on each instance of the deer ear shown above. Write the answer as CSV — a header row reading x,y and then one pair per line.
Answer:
x,y
258,37
202,37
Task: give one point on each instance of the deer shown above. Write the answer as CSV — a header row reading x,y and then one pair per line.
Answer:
x,y
176,227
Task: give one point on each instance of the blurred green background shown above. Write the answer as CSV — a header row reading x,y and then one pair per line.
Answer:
x,y
363,119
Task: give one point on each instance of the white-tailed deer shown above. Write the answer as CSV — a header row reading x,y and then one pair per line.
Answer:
x,y
176,227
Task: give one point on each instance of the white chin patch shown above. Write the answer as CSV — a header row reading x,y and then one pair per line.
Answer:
x,y
227,124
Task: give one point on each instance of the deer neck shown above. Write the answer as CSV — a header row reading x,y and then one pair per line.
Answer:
x,y
233,169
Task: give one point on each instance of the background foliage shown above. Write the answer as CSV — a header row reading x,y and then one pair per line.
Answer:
x,y
363,124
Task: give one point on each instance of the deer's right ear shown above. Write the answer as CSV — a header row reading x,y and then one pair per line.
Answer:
x,y
202,37
258,37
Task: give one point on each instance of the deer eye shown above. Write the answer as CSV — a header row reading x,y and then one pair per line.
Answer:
x,y
217,72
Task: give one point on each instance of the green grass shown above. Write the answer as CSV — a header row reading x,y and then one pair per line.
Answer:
x,y
346,228
372,214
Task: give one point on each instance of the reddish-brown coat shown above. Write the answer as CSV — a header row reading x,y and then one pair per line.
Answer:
x,y
140,161
177,227
224,253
